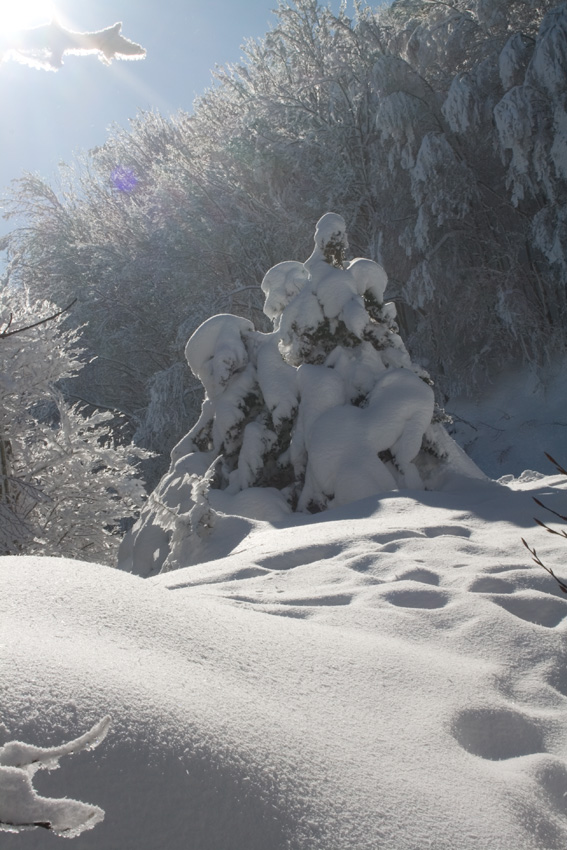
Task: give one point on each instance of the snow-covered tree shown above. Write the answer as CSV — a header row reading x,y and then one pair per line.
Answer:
x,y
453,112
66,486
326,409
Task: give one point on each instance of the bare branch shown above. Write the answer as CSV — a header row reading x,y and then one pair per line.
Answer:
x,y
6,333
535,557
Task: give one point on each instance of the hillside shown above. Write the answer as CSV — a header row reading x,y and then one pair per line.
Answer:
x,y
388,674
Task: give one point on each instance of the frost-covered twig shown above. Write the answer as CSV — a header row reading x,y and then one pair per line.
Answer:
x,y
537,560
21,808
7,332
562,533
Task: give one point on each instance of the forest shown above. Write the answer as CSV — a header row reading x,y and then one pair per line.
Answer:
x,y
438,131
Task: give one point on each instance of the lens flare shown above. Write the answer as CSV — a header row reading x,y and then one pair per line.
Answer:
x,y
25,14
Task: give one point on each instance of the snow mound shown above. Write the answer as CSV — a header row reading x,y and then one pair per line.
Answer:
x,y
389,674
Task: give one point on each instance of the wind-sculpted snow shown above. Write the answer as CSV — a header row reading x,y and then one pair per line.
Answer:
x,y
391,674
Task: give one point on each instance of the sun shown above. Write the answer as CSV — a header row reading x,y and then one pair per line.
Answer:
x,y
24,14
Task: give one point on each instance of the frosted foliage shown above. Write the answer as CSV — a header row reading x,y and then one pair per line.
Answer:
x,y
229,409
320,390
165,412
549,232
332,293
491,14
559,147
548,67
396,121
420,288
516,116
513,60
65,485
325,410
462,107
438,165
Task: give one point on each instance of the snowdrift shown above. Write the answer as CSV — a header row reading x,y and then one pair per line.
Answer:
x,y
389,674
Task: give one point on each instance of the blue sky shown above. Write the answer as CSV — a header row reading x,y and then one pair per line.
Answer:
x,y
46,116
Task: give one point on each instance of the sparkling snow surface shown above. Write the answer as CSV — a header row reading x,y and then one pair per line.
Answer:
x,y
390,675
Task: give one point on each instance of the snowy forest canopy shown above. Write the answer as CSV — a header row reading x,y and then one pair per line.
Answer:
x,y
438,131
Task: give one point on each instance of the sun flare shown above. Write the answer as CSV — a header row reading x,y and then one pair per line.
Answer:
x,y
24,14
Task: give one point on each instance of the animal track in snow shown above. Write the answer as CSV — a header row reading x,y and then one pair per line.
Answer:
x,y
558,679
534,607
497,733
418,598
330,599
490,584
551,773
384,538
361,563
447,531
298,557
422,575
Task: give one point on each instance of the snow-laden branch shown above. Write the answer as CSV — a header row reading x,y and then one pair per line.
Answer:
x,y
21,808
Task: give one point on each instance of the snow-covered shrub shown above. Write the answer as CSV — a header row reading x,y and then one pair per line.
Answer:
x,y
22,808
65,484
326,409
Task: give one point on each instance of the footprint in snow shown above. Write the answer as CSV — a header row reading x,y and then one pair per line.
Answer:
x,y
491,584
539,609
447,531
298,557
497,733
420,574
417,598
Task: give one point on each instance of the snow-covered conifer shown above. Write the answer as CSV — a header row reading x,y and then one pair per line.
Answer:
x,y
325,410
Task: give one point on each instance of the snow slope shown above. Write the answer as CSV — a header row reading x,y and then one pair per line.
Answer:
x,y
390,674
522,415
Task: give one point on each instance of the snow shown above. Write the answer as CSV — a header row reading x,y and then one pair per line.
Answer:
x,y
344,443
517,419
325,410
513,59
331,227
549,61
387,674
277,380
217,350
21,808
282,283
